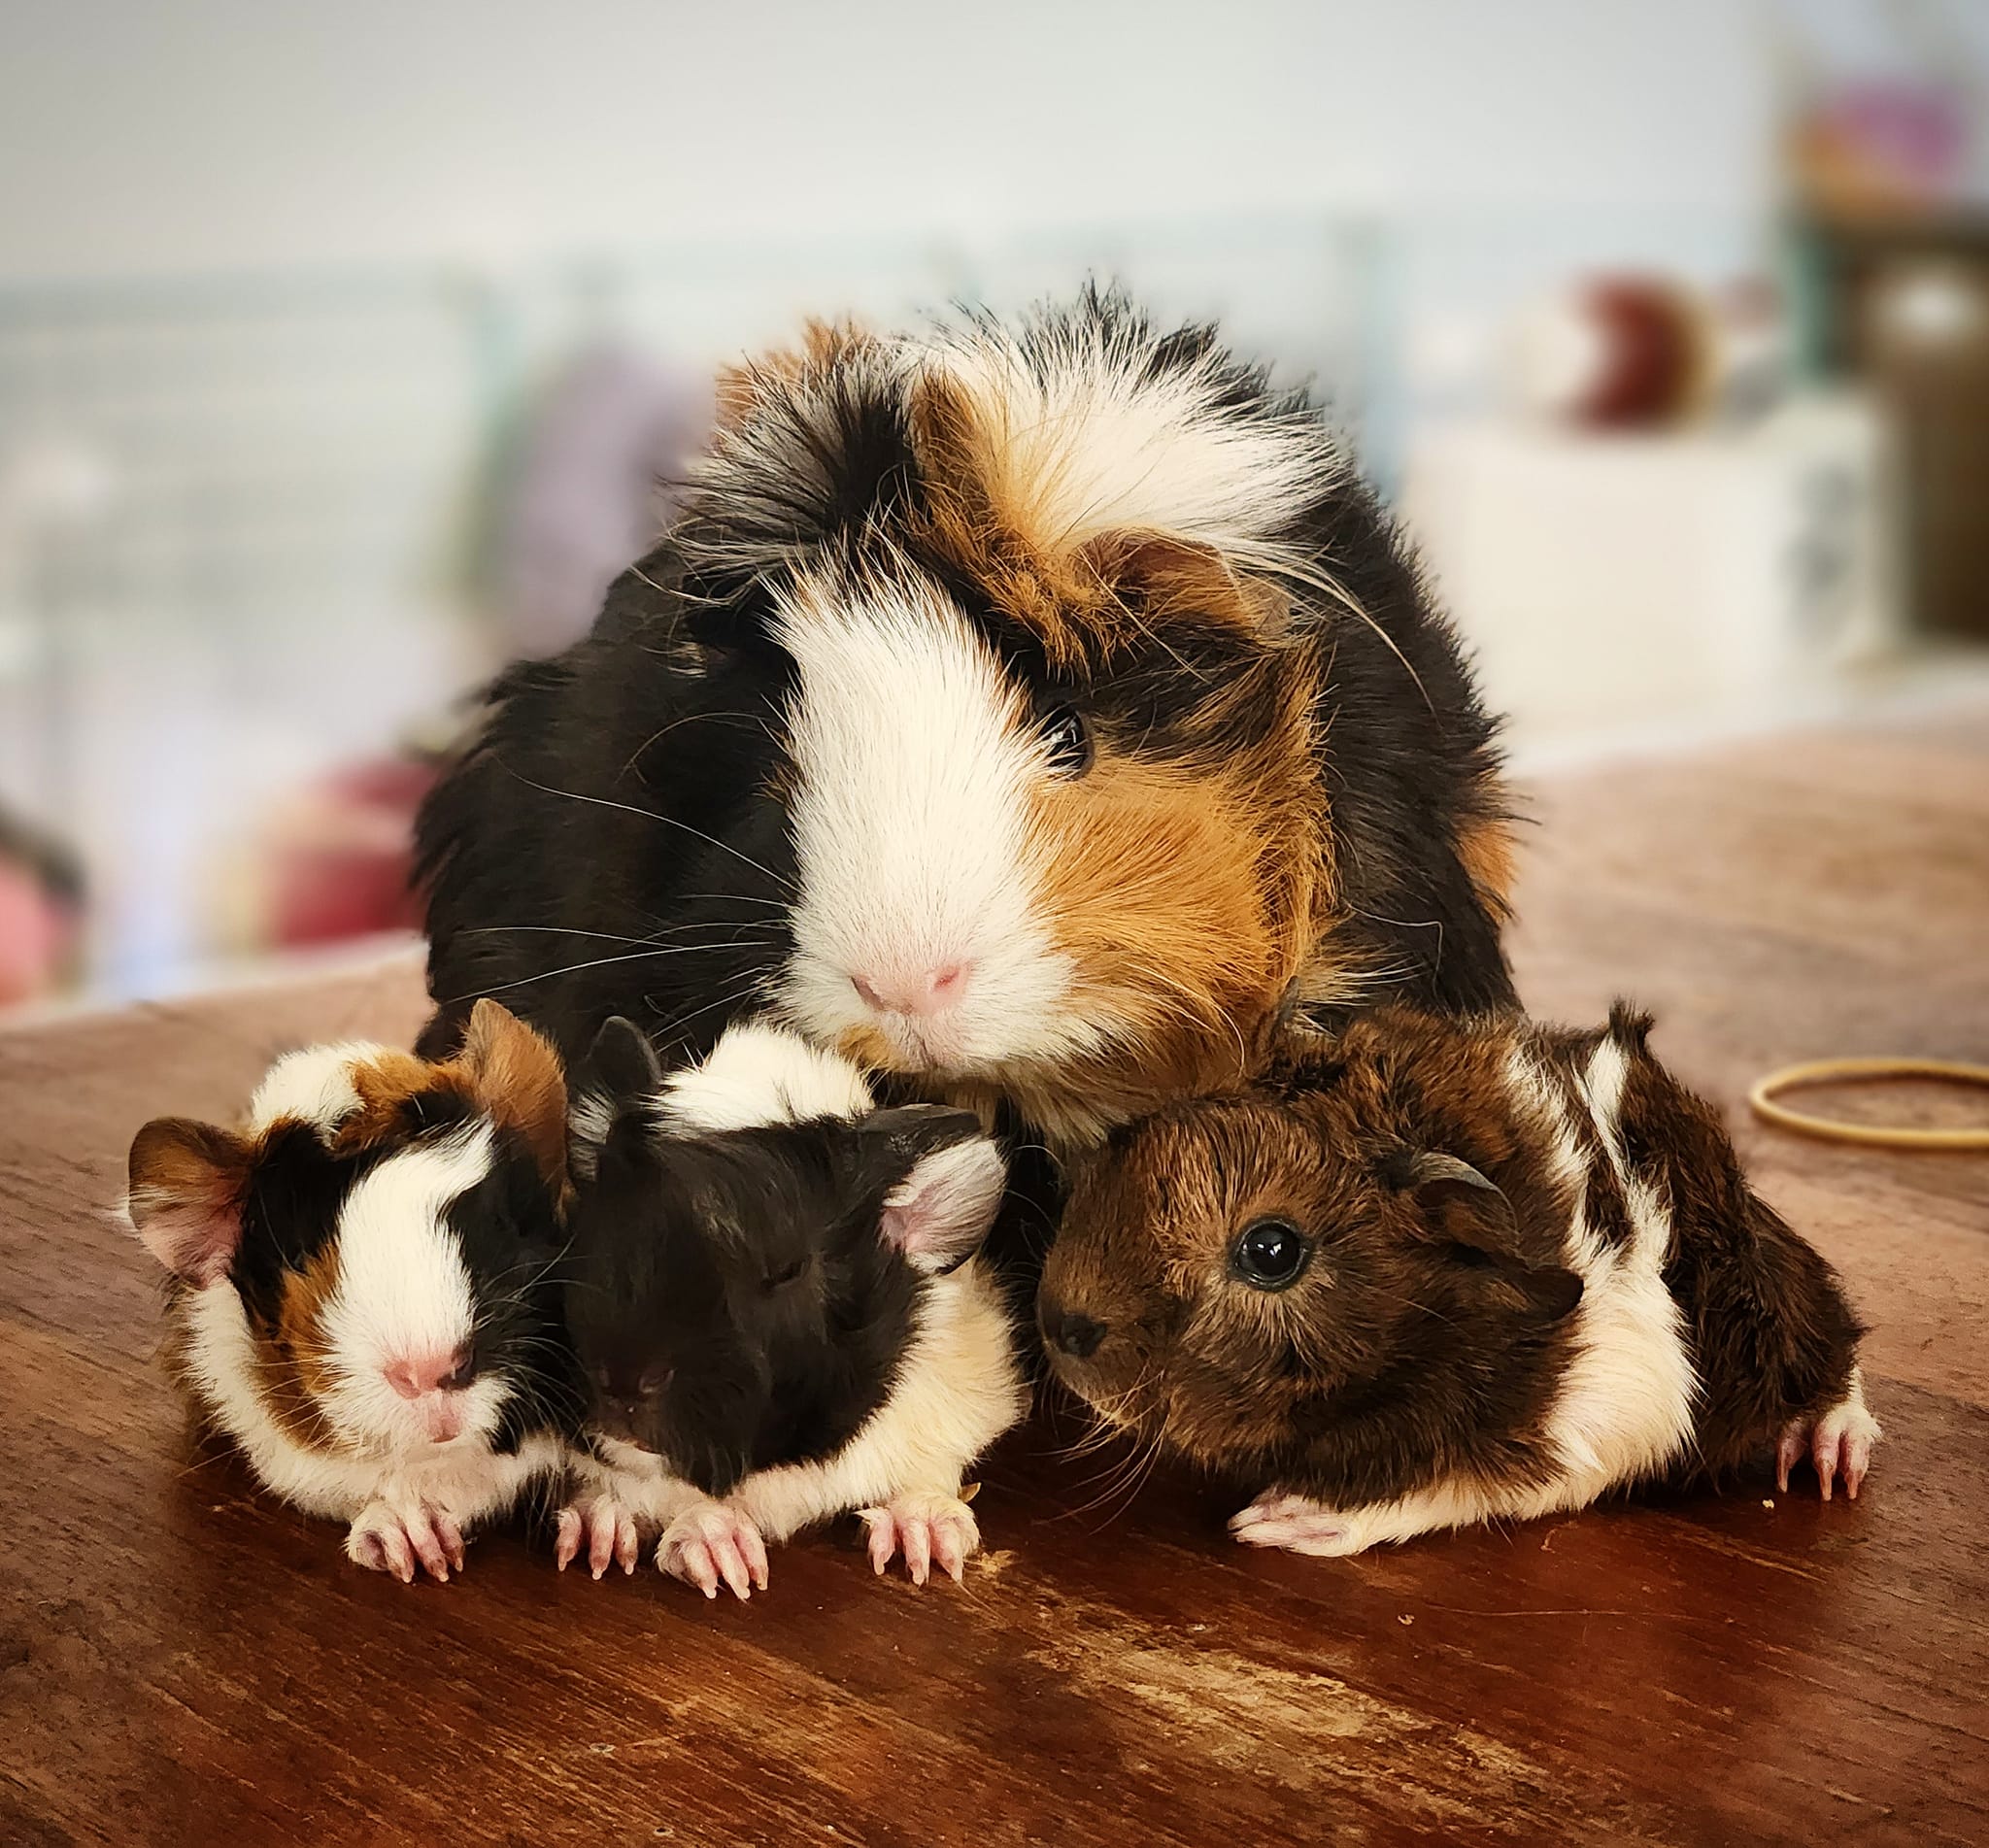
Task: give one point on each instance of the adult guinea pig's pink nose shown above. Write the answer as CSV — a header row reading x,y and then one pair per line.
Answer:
x,y
930,991
416,1375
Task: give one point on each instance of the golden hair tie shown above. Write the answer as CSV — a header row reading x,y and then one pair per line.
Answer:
x,y
1878,1136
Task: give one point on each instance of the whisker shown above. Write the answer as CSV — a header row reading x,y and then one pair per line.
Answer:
x,y
597,963
649,815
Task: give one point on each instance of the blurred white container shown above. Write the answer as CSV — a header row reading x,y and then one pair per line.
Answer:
x,y
1612,580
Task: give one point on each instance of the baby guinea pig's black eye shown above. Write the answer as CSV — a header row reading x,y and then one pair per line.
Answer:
x,y
789,1273
1269,1254
1067,735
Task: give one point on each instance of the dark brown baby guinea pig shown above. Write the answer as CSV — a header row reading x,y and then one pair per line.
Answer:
x,y
1434,1272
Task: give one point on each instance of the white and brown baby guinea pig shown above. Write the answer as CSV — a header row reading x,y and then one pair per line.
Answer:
x,y
777,1309
357,1280
1433,1272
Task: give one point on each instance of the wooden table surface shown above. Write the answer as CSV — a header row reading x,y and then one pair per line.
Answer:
x,y
182,1662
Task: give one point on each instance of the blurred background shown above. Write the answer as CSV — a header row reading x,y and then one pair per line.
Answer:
x,y
343,348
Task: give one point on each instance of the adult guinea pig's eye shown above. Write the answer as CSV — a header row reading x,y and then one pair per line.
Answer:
x,y
1269,1254
1067,735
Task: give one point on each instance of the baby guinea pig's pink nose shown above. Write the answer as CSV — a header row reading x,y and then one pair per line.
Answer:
x,y
930,991
416,1375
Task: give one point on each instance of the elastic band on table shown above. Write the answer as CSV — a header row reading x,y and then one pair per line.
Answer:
x,y
1878,1135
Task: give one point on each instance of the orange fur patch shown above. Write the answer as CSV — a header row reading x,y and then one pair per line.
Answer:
x,y
504,1070
294,1366
1084,601
516,1078
1490,852
387,1085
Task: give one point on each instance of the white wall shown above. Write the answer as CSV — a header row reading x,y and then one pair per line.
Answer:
x,y
163,135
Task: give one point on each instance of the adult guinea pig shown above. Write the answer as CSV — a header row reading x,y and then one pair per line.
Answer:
x,y
1024,711
356,1283
1441,1272
777,1309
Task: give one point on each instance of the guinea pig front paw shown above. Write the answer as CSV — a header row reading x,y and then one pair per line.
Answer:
x,y
1299,1525
1838,1444
925,1529
599,1528
406,1539
714,1541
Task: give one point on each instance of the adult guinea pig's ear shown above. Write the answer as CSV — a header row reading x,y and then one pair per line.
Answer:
x,y
187,1183
943,1180
1472,1214
1162,575
517,1080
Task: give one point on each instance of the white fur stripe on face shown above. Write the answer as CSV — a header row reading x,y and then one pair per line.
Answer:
x,y
913,757
403,1288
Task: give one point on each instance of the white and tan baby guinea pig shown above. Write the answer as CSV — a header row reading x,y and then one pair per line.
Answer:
x,y
1436,1272
357,1279
778,1310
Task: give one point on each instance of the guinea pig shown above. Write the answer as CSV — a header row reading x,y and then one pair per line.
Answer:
x,y
1434,1272
1024,711
778,1311
357,1283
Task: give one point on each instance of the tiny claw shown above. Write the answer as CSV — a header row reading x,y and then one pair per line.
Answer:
x,y
1788,1453
918,1545
883,1539
452,1538
627,1546
732,1568
754,1550
946,1550
429,1548
566,1547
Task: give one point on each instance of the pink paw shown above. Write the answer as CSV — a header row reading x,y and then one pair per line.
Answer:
x,y
1299,1525
405,1540
600,1530
1838,1444
711,1542
925,1529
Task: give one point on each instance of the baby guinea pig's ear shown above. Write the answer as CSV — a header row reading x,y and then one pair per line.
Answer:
x,y
1476,1220
517,1080
622,1064
942,1177
187,1182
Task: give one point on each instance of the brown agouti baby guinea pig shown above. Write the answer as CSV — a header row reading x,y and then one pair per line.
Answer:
x,y
1433,1272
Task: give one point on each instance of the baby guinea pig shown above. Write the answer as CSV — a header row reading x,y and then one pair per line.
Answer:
x,y
777,1309
1436,1272
356,1283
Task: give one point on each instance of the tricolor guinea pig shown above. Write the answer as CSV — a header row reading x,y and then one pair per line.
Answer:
x,y
777,1308
359,1283
1436,1272
1024,711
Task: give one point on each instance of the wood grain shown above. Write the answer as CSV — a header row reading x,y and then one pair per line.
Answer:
x,y
182,1662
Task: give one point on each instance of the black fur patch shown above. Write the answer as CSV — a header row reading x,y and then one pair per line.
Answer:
x,y
732,1305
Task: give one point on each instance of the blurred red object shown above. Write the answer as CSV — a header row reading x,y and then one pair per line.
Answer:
x,y
41,912
339,855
